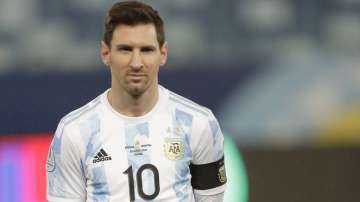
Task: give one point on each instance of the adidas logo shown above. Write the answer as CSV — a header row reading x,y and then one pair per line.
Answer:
x,y
101,156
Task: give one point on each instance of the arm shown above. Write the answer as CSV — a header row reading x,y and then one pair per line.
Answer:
x,y
65,178
210,198
208,167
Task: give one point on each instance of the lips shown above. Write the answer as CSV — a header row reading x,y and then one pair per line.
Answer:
x,y
136,75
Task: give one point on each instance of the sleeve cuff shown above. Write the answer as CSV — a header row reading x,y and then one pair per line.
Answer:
x,y
212,191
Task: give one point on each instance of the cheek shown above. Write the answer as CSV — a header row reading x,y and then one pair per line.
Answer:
x,y
152,62
154,72
117,67
119,59
153,68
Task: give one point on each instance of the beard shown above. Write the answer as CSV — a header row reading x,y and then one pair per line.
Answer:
x,y
136,89
135,92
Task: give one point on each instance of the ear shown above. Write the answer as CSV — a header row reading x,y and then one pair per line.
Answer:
x,y
105,53
164,53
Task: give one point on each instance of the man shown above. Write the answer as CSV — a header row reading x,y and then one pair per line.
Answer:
x,y
137,141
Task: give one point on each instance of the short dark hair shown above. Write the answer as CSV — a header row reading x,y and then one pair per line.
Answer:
x,y
132,13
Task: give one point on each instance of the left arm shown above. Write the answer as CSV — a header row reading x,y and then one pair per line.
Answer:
x,y
210,198
207,167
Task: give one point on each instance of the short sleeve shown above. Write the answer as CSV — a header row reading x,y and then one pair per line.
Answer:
x,y
65,178
210,144
209,198
207,167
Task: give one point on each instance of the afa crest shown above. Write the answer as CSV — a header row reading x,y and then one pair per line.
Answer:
x,y
174,148
222,174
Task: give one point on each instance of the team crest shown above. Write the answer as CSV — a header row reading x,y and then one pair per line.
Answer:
x,y
222,174
174,148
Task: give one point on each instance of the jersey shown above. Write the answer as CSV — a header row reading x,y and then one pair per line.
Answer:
x,y
98,154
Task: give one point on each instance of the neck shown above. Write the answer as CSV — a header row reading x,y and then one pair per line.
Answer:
x,y
128,105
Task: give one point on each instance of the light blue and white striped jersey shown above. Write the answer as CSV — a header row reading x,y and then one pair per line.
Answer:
x,y
98,154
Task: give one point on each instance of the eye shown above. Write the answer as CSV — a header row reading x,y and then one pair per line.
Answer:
x,y
147,49
127,49
123,48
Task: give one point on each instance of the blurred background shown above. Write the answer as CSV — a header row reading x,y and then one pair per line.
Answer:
x,y
282,77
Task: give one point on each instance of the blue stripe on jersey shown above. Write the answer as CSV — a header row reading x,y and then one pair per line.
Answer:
x,y
214,126
189,104
100,185
183,123
56,144
135,135
89,130
82,167
215,131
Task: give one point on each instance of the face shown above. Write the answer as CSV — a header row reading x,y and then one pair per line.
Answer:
x,y
134,58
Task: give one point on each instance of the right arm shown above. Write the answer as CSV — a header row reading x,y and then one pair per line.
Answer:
x,y
65,178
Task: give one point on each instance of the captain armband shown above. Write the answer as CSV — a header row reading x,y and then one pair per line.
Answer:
x,y
208,176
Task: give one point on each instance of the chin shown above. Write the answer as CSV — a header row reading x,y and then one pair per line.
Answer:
x,y
136,91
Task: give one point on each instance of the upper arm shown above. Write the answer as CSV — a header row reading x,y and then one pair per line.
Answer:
x,y
209,145
207,167
65,178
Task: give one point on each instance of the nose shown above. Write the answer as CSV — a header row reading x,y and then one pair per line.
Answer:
x,y
136,60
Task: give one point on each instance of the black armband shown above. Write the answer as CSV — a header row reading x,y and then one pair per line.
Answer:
x,y
208,176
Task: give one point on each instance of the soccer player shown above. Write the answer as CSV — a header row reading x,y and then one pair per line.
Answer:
x,y
137,141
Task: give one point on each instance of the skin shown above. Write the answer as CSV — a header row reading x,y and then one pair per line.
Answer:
x,y
134,58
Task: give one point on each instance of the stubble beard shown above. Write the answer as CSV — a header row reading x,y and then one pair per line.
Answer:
x,y
136,91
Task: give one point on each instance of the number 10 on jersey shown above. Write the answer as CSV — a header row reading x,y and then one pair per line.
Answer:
x,y
142,194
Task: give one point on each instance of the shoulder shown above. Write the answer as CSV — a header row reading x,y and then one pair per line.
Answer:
x,y
187,106
205,136
75,129
82,113
70,124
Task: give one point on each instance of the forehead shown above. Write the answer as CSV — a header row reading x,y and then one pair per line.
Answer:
x,y
143,34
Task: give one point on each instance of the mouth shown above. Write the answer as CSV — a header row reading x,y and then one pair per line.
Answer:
x,y
136,77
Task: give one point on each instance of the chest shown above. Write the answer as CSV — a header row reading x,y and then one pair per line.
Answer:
x,y
146,156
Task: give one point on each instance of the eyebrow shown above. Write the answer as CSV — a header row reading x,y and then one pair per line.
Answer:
x,y
121,46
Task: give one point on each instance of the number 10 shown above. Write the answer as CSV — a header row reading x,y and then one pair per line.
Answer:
x,y
141,193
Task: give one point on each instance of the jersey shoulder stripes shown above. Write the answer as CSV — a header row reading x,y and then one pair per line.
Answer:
x,y
79,113
188,105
